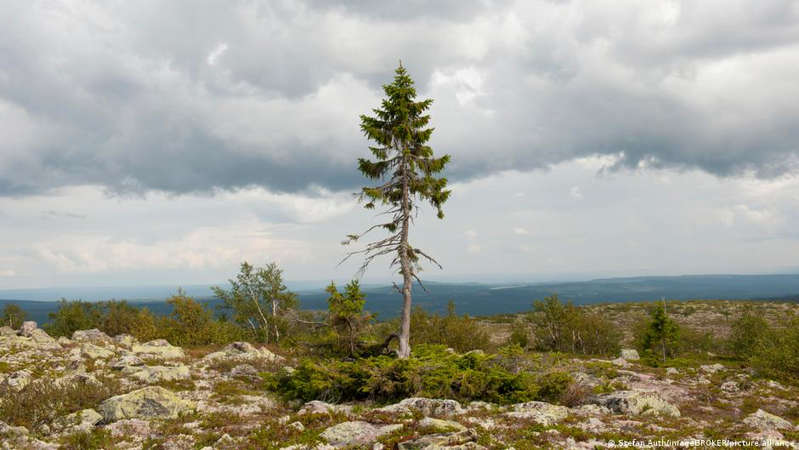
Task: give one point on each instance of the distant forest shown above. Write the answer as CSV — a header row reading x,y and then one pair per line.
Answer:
x,y
478,299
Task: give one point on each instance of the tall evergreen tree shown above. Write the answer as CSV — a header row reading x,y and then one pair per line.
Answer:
x,y
406,169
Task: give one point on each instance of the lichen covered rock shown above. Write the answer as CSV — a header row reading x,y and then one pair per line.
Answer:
x,y
149,402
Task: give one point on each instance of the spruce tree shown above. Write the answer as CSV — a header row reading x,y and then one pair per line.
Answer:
x,y
405,168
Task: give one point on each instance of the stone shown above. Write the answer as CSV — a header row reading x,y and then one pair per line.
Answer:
x,y
730,387
298,426
242,351
440,425
712,368
630,354
7,331
764,421
6,429
355,433
621,362
637,402
427,406
589,410
16,381
320,407
126,360
479,406
672,371
244,370
158,348
225,442
83,420
154,374
27,328
93,336
460,440
125,340
149,402
540,412
91,351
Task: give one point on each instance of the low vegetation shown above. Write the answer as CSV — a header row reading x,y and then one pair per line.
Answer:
x,y
432,371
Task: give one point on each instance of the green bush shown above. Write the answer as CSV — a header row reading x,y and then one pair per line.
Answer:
x,y
431,371
40,403
519,334
659,337
746,333
13,316
776,354
461,333
190,323
72,316
564,327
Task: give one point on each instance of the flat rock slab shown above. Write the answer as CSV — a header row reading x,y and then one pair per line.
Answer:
x,y
149,402
356,433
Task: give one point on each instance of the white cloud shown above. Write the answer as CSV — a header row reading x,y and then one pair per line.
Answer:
x,y
520,231
216,53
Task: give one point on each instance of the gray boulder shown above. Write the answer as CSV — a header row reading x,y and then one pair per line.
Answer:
x,y
27,328
126,360
93,336
243,351
629,354
350,434
540,412
427,406
149,402
158,348
636,402
460,440
154,374
764,421
79,421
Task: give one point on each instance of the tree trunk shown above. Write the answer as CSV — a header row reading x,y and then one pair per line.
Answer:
x,y
274,319
405,265
261,313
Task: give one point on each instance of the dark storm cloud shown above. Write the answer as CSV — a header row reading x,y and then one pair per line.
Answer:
x,y
197,96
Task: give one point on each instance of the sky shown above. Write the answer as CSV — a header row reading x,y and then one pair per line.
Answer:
x,y
166,142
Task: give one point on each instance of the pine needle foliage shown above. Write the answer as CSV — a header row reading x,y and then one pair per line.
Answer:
x,y
407,173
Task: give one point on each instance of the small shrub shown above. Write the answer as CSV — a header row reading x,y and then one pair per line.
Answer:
x,y
13,316
659,338
746,333
40,403
553,386
564,327
97,438
431,371
776,354
461,333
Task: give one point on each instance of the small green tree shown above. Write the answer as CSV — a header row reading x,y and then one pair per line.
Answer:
x,y
406,168
346,312
13,316
72,316
259,299
118,317
564,327
660,336
745,334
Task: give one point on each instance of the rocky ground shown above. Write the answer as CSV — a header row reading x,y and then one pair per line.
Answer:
x,y
120,393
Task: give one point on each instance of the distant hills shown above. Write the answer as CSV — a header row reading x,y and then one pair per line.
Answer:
x,y
471,298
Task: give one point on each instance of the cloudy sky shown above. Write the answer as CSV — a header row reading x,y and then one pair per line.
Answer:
x,y
155,142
